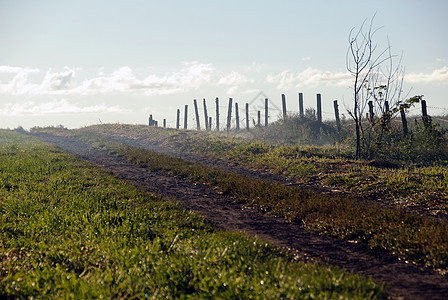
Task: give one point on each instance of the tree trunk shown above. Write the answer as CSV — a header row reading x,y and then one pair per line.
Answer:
x,y
358,139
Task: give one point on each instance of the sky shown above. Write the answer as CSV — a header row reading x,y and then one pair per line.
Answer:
x,y
81,62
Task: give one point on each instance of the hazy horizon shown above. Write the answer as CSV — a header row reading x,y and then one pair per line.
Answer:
x,y
77,63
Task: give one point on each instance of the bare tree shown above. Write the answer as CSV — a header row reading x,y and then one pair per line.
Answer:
x,y
376,78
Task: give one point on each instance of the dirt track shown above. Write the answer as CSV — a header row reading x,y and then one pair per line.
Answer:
x,y
406,280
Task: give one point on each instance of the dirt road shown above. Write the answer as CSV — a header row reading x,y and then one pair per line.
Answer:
x,y
407,281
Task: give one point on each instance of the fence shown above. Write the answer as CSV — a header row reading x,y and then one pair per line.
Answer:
x,y
370,116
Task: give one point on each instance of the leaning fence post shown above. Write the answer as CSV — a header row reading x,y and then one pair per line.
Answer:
x,y
229,114
217,114
207,125
284,105
336,115
301,104
196,113
404,122
186,117
266,112
319,108
237,116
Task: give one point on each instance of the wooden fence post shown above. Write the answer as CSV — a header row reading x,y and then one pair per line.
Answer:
x,y
178,119
336,115
217,114
247,116
301,104
259,119
186,117
151,121
425,117
237,116
229,114
371,113
196,113
404,122
156,123
210,123
164,123
266,112
424,110
207,126
284,106
319,108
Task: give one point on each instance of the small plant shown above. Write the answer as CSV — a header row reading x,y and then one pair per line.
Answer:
x,y
303,130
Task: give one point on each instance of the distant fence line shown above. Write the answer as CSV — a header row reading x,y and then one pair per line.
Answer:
x,y
208,119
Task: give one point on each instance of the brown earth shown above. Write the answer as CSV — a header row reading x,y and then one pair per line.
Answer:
x,y
406,281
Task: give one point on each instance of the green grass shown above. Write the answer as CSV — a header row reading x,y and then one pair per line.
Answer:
x,y
409,186
71,230
411,237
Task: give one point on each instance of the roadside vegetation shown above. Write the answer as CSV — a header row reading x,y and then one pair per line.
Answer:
x,y
71,230
410,236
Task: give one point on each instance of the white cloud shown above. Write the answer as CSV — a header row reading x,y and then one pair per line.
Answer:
x,y
234,78
52,83
306,58
440,59
56,82
436,76
10,69
285,79
61,106
190,77
120,80
310,76
232,90
18,84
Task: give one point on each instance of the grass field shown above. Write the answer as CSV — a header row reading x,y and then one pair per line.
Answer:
x,y
408,185
411,237
71,230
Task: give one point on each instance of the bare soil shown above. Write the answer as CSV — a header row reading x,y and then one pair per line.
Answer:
x,y
407,281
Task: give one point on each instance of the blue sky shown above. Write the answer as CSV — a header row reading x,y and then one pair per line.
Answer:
x,y
77,63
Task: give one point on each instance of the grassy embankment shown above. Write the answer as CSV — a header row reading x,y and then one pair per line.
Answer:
x,y
411,237
70,230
